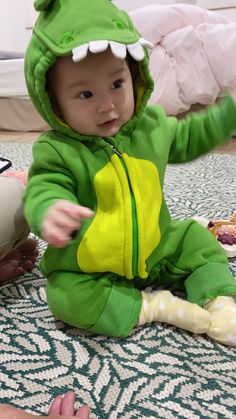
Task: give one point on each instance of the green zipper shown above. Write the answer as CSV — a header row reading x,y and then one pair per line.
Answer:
x,y
134,217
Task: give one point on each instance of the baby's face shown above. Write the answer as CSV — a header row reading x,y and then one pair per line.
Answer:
x,y
94,96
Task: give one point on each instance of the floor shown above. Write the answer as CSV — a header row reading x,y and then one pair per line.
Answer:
x,y
30,137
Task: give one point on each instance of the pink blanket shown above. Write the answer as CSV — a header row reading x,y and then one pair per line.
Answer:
x,y
194,57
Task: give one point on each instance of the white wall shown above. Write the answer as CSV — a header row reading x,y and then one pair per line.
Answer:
x,y
15,16
18,15
6,39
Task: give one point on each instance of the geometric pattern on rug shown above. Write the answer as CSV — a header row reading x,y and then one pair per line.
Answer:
x,y
159,371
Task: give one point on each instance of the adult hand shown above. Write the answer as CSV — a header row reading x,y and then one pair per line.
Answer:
x,y
61,408
65,406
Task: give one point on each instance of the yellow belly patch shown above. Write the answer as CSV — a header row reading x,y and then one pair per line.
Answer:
x,y
108,243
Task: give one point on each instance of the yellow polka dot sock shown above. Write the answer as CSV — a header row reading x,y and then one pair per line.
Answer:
x,y
162,306
223,320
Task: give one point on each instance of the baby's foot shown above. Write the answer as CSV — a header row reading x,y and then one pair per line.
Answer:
x,y
19,260
223,320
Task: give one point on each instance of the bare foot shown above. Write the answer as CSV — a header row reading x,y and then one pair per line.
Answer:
x,y
19,260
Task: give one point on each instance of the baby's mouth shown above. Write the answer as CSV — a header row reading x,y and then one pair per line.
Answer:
x,y
108,123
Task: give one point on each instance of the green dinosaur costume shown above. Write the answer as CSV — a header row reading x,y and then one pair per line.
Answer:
x,y
95,282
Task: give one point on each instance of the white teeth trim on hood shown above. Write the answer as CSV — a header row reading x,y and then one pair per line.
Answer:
x,y
136,50
98,46
118,50
80,52
146,43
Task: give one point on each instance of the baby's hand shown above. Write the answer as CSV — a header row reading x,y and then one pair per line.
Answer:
x,y
61,220
233,91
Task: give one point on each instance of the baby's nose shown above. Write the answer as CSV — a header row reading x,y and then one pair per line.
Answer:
x,y
106,104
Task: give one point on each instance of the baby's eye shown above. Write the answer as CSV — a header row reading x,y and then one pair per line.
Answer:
x,y
117,84
85,95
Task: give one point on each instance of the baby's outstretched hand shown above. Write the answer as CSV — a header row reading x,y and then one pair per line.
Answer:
x,y
61,220
233,91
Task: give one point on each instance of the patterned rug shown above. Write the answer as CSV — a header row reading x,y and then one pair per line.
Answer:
x,y
159,371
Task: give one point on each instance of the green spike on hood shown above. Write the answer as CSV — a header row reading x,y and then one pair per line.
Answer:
x,y
73,27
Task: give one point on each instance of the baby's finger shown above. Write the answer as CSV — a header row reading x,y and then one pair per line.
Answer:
x,y
74,212
56,237
85,212
77,212
59,242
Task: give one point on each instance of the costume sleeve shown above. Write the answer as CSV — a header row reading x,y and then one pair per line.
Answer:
x,y
49,181
200,132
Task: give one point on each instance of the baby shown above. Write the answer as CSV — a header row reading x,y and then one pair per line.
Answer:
x,y
95,191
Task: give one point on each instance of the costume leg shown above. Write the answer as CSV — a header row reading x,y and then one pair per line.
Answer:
x,y
101,303
211,276
192,257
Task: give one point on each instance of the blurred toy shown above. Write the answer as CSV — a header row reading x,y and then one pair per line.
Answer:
x,y
224,231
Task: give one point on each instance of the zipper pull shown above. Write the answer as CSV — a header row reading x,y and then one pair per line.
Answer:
x,y
116,151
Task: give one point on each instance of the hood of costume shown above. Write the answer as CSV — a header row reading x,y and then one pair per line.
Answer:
x,y
75,27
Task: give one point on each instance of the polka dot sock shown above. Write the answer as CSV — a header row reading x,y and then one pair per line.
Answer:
x,y
162,306
223,320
